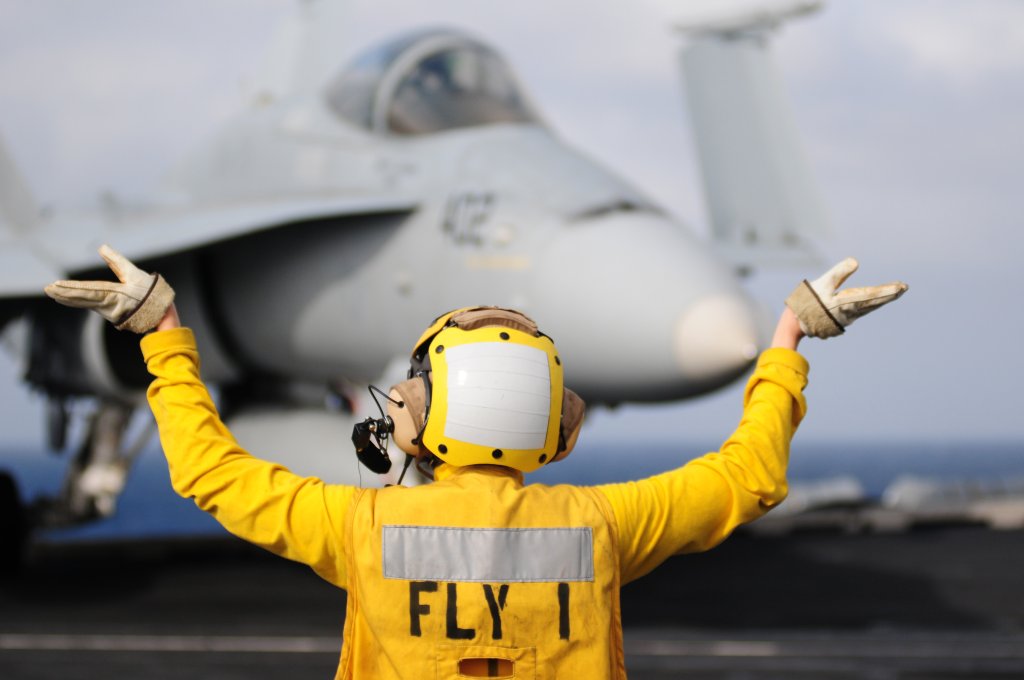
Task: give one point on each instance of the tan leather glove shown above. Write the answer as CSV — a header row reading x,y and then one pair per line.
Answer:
x,y
136,304
825,311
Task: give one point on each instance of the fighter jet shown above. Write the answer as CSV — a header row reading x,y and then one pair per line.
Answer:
x,y
319,231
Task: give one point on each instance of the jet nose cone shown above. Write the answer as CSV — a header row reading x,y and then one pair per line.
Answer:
x,y
641,310
716,338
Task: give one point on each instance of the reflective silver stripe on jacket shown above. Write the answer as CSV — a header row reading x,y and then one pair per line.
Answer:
x,y
419,553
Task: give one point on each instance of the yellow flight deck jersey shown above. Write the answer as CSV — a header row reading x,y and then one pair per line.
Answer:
x,y
477,574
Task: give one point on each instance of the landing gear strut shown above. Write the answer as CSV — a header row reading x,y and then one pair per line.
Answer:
x,y
97,475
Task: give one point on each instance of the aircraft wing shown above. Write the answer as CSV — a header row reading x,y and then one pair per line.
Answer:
x,y
23,272
36,251
62,247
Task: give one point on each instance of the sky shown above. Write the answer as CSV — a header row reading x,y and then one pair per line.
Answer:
x,y
909,113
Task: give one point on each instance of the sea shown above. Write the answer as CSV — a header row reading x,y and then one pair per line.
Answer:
x,y
149,508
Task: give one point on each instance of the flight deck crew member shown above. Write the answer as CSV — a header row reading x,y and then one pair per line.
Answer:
x,y
478,574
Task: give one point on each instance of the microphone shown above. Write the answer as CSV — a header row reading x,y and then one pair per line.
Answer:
x,y
369,452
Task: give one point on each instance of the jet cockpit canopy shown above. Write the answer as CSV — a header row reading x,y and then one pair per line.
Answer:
x,y
429,82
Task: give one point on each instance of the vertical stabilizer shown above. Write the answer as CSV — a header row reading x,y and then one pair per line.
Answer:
x,y
760,194
18,211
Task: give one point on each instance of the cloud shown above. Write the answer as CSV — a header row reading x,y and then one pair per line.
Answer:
x,y
83,90
962,41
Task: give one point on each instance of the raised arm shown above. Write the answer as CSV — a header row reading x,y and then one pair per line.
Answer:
x,y
696,506
296,517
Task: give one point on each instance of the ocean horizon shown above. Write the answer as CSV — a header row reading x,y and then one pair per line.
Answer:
x,y
149,508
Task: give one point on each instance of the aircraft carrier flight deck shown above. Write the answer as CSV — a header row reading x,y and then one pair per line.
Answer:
x,y
942,602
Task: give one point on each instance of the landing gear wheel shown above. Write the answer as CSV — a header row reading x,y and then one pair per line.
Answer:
x,y
13,527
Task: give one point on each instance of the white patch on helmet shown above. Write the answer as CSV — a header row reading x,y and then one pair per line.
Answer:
x,y
499,395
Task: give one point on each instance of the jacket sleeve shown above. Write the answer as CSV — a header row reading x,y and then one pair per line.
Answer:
x,y
696,506
299,518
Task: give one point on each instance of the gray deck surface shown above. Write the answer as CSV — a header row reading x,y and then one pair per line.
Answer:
x,y
947,602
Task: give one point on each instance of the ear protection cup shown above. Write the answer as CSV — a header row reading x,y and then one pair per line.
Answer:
x,y
574,409
409,414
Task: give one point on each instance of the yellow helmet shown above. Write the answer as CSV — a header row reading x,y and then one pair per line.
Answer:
x,y
485,387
